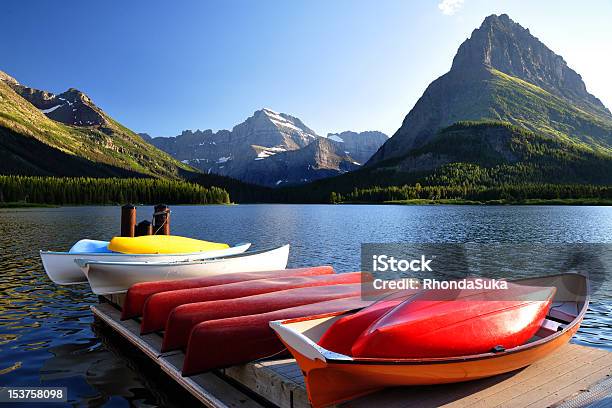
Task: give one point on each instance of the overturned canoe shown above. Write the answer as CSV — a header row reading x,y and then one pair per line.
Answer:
x,y
116,277
474,322
332,377
62,269
226,342
184,318
345,331
158,307
138,293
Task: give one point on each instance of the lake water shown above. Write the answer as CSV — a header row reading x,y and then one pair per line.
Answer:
x,y
47,334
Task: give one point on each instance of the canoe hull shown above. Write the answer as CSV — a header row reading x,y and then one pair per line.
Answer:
x,y
138,294
475,322
62,270
332,377
184,318
353,380
188,302
241,339
116,277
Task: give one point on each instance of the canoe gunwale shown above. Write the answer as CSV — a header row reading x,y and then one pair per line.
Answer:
x,y
184,263
114,254
331,357
117,277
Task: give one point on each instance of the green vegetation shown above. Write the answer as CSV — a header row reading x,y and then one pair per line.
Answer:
x,y
518,101
86,190
23,204
239,191
473,160
553,150
535,201
504,194
33,144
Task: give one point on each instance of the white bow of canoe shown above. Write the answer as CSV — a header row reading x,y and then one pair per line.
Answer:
x,y
62,269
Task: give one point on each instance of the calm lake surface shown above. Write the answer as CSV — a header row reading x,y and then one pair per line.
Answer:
x,y
48,336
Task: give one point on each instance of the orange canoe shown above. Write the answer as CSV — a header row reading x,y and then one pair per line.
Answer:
x,y
333,377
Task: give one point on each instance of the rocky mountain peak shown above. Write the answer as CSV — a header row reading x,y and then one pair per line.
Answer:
x,y
502,72
280,121
72,107
504,45
272,129
272,149
74,95
7,78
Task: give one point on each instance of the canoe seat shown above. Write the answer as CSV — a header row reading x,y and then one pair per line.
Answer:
x,y
548,328
564,311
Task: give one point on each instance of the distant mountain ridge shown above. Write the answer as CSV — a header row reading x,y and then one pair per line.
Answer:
x,y
68,135
510,113
271,149
504,73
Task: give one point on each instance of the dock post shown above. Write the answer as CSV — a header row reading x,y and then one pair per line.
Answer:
x,y
161,220
128,220
144,228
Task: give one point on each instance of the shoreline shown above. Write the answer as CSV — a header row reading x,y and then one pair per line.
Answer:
x,y
531,201
415,202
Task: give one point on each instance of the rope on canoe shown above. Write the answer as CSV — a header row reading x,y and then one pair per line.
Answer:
x,y
163,223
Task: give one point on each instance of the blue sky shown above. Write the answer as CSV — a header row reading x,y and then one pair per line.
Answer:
x,y
161,67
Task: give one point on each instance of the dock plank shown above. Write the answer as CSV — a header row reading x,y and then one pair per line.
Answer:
x,y
479,393
587,376
534,376
556,378
536,370
555,383
273,379
208,388
597,396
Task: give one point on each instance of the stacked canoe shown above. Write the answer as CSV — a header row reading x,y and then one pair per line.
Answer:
x,y
223,320
348,346
112,267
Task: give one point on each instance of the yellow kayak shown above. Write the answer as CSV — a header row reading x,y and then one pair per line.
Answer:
x,y
162,244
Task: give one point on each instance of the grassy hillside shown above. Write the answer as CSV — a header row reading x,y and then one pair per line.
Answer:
x,y
476,154
524,104
33,144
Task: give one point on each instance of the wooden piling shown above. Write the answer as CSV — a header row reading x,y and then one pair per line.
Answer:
x,y
161,220
144,228
128,220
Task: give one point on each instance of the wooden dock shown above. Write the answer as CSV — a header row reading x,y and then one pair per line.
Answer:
x,y
576,376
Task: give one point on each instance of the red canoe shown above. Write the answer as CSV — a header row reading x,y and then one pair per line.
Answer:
x,y
139,293
237,340
342,334
474,322
157,308
183,318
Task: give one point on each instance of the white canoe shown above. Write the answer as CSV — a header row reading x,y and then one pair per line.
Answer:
x,y
116,277
62,270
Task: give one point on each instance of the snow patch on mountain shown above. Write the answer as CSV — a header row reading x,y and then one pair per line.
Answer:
x,y
51,109
269,147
